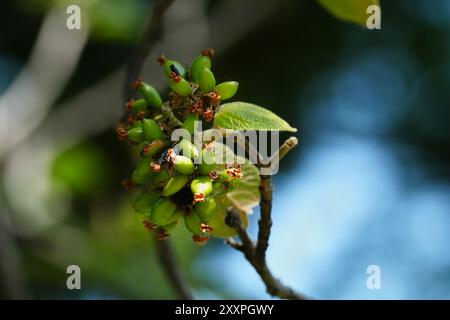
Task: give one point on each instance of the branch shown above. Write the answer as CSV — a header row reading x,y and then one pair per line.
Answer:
x,y
149,39
274,286
256,254
167,258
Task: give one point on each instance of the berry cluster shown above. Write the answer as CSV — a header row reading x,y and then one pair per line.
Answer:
x,y
178,180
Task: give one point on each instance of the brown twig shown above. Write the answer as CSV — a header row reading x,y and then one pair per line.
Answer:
x,y
256,253
167,258
274,286
148,41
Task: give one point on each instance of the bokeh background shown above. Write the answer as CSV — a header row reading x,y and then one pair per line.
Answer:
x,y
369,183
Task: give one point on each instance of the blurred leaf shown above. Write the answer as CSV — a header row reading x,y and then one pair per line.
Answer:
x,y
108,20
247,116
349,10
83,169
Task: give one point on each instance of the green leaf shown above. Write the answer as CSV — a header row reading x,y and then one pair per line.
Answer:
x,y
245,196
349,10
247,116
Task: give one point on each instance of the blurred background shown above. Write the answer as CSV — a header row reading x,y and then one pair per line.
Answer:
x,y
369,183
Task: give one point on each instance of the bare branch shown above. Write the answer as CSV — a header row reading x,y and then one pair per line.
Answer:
x,y
167,258
274,286
256,254
148,41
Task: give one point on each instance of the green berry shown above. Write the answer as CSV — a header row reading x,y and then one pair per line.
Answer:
x,y
198,64
143,173
227,89
206,80
151,95
189,122
208,162
184,165
183,88
186,148
173,66
135,134
169,227
150,149
162,211
175,184
162,177
145,202
151,130
202,185
175,217
193,224
138,105
206,210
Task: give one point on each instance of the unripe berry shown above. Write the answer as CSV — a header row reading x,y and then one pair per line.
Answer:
x,y
150,149
193,224
201,185
175,184
183,88
206,210
151,130
186,148
150,94
143,173
145,202
184,165
162,211
162,177
135,134
227,89
198,64
172,67
137,105
189,122
208,162
206,80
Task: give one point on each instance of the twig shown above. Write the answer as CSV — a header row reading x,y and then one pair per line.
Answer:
x,y
266,190
256,254
167,258
274,286
149,39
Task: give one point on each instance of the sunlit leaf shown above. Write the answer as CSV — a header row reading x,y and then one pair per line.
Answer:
x,y
247,116
349,10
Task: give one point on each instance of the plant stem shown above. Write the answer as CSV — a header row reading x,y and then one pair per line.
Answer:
x,y
256,254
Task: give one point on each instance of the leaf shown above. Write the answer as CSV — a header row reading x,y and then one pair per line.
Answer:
x,y
244,197
247,116
220,228
349,10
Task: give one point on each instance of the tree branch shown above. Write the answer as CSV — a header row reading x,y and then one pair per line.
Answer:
x,y
148,41
256,254
167,258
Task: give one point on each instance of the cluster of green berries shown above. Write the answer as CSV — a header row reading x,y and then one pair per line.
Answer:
x,y
178,181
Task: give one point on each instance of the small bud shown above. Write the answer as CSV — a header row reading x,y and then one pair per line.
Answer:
x,y
209,52
163,234
200,240
128,184
208,114
205,228
199,197
156,167
148,225
122,132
